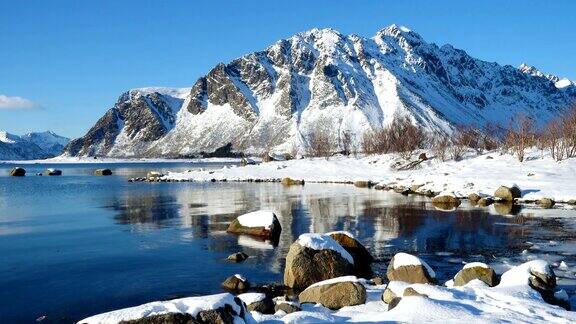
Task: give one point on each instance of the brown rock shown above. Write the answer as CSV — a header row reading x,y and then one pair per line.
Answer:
x,y
287,307
271,233
394,302
236,283
335,295
305,266
237,257
546,203
474,197
485,202
412,292
508,193
264,306
422,157
481,272
416,273
361,256
292,182
363,184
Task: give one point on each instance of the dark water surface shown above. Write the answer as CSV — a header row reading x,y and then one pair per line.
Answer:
x,y
77,245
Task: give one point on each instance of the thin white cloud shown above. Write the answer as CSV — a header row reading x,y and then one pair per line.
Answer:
x,y
14,103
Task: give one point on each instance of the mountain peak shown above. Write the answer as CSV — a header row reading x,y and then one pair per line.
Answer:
x,y
397,31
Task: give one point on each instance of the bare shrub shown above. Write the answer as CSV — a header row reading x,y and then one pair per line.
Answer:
x,y
400,136
520,136
319,139
559,136
440,146
346,142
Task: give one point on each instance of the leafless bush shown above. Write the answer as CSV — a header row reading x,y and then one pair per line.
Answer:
x,y
400,136
347,142
520,136
319,140
440,146
559,136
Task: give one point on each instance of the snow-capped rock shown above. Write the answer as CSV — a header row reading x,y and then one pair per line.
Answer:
x,y
274,99
31,146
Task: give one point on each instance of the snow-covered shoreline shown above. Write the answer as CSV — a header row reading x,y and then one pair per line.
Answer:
x,y
539,176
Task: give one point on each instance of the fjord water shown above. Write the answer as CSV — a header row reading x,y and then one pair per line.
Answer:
x,y
77,245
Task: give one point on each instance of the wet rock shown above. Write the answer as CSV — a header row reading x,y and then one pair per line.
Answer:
x,y
287,307
306,266
53,172
17,172
446,202
236,283
363,184
474,198
412,292
411,269
237,257
103,172
508,193
546,203
485,202
269,230
334,295
476,270
292,182
362,258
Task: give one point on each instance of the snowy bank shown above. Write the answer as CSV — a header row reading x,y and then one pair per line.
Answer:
x,y
539,176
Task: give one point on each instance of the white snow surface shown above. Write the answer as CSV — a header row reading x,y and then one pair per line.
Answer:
x,y
404,259
512,301
189,305
259,218
249,298
334,280
539,176
476,265
30,146
323,242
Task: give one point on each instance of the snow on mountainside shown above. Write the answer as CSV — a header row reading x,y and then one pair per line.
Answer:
x,y
274,99
31,146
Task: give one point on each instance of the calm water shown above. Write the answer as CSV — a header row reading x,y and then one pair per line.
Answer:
x,y
76,245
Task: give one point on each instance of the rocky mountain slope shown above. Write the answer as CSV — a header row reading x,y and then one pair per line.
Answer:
x,y
273,100
31,146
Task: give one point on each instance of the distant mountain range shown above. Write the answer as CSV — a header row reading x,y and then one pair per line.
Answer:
x,y
273,100
31,146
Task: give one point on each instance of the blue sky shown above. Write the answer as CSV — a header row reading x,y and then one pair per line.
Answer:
x,y
68,61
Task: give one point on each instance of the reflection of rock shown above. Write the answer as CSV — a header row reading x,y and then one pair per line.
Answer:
x,y
140,209
254,243
506,208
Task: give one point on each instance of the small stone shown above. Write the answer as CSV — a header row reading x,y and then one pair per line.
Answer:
x,y
377,281
485,202
412,292
237,257
287,307
394,302
236,283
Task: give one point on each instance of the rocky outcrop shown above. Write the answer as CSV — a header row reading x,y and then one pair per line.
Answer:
x,y
476,271
411,269
335,294
307,265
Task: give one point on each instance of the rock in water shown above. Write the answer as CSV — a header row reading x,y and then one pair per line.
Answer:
x,y
363,184
508,193
103,172
335,293
411,269
474,197
313,258
446,201
53,172
236,283
152,175
260,223
476,270
546,203
18,172
292,182
237,257
362,258
485,202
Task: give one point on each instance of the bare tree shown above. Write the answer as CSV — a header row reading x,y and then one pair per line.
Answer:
x,y
347,142
520,136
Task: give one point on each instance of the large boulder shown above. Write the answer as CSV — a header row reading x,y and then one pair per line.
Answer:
x,y
258,302
18,172
508,193
102,172
362,258
236,283
313,258
335,293
476,270
53,172
546,203
408,268
446,201
261,223
220,308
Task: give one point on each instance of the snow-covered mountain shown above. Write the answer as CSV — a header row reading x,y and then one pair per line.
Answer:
x,y
31,146
321,79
